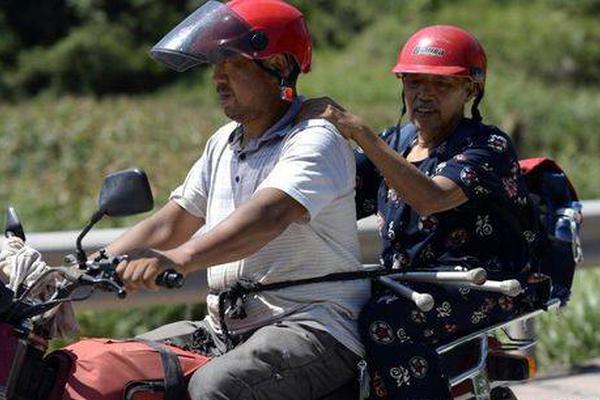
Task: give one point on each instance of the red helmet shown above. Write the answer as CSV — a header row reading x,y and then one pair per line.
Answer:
x,y
443,50
256,29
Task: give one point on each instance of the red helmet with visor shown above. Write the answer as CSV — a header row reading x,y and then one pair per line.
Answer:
x,y
443,50
256,29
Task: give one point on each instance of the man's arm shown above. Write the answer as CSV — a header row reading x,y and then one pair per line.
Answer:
x,y
170,227
425,195
249,228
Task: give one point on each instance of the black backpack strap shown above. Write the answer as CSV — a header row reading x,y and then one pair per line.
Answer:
x,y
175,387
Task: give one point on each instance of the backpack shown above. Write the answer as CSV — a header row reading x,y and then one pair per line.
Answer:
x,y
558,212
106,369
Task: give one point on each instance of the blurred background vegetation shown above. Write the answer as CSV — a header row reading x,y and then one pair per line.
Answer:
x,y
80,98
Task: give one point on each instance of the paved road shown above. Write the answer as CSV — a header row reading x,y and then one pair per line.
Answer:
x,y
582,383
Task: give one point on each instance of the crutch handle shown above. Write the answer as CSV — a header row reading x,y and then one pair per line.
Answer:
x,y
423,301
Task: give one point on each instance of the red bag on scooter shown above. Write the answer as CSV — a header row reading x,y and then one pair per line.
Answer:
x,y
106,369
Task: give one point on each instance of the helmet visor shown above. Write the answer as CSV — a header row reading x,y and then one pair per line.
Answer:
x,y
209,34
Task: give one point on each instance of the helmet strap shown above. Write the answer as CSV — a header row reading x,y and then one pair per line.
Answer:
x,y
475,114
402,111
286,90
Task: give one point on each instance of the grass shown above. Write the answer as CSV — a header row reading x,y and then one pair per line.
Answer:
x,y
571,336
59,150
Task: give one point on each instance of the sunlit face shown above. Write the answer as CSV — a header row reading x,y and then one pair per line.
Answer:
x,y
435,102
244,89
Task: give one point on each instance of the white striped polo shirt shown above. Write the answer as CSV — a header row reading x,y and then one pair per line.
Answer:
x,y
313,164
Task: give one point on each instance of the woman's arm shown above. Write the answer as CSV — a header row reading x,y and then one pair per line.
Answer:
x,y
425,195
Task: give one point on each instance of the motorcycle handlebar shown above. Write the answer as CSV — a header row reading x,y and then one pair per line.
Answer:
x,y
170,279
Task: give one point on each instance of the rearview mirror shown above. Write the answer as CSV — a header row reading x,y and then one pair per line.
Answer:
x,y
13,225
125,193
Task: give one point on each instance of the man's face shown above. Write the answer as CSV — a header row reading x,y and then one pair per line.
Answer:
x,y
434,102
244,89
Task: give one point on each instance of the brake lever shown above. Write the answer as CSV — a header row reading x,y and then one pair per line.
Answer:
x,y
114,287
101,272
107,284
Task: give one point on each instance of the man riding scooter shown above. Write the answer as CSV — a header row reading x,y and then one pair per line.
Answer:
x,y
448,193
275,202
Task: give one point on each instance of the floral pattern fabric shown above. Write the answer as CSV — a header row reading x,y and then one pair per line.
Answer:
x,y
493,229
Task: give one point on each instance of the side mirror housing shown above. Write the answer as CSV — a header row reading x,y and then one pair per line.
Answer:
x,y
13,226
125,193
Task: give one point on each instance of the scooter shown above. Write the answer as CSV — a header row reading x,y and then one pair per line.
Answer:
x,y
479,365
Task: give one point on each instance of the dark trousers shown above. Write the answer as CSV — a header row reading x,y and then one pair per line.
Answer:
x,y
286,360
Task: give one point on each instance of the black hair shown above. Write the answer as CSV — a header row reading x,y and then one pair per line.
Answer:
x,y
402,110
475,114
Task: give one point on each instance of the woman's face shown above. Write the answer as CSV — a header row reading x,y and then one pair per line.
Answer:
x,y
435,102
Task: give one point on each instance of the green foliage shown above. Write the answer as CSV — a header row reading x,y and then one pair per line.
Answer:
x,y
580,7
571,336
8,40
334,22
60,39
36,23
123,324
97,58
135,321
558,47
144,20
85,46
57,151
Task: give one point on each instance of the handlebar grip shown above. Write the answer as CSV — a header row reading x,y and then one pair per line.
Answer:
x,y
478,276
170,279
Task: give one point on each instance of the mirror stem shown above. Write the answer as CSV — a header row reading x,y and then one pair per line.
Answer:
x,y
81,256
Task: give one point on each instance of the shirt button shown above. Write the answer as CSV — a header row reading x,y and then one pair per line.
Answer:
x,y
242,156
237,179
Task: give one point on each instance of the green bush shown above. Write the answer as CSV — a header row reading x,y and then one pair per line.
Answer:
x,y
571,336
58,151
558,47
81,46
93,59
8,42
145,20
100,46
579,7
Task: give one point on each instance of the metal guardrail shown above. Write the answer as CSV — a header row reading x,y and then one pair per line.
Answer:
x,y
55,245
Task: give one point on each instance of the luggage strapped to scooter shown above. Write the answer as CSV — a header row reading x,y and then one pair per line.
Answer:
x,y
558,210
130,369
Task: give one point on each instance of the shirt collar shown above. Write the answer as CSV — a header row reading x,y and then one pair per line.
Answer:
x,y
278,129
442,148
